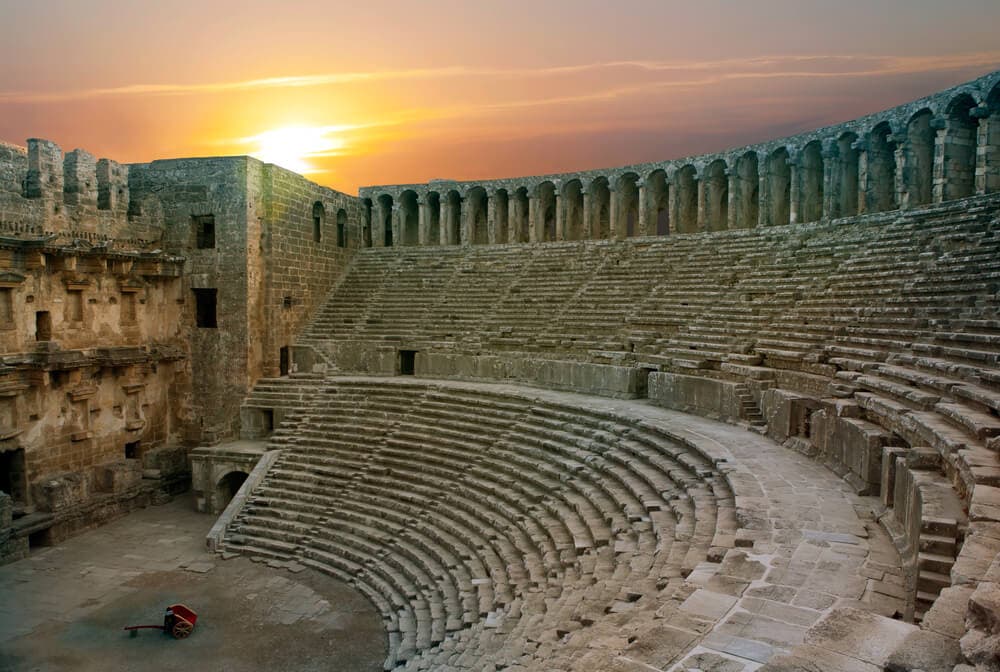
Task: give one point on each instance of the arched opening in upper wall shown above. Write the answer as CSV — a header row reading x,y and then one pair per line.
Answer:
x,y
341,228
518,207
961,130
846,203
716,196
385,219
318,221
658,203
811,182
433,205
918,174
747,196
475,205
572,205
409,232
687,199
779,190
881,187
501,215
627,219
599,195
545,206
451,223
366,222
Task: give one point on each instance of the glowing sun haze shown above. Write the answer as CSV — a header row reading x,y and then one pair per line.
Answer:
x,y
381,92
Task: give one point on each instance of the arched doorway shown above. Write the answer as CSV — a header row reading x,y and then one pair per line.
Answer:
x,y
227,488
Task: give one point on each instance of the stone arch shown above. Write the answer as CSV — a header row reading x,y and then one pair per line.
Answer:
x,y
657,203
475,205
433,205
881,183
811,182
341,227
545,212
627,217
501,203
686,185
779,187
747,196
451,219
959,148
600,208
318,221
227,487
716,196
519,215
572,204
988,170
366,222
918,173
409,232
385,219
846,205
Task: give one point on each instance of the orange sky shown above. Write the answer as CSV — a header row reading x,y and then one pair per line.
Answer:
x,y
391,92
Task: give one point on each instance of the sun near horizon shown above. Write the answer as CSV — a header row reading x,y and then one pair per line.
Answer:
x,y
444,90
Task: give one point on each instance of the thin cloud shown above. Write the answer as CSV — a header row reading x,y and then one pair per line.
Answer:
x,y
763,67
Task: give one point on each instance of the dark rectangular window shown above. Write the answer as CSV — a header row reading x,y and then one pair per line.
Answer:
x,y
317,228
43,326
74,305
128,308
341,234
205,308
204,231
407,362
132,450
6,307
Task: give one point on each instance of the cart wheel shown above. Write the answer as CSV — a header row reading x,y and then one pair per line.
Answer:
x,y
182,629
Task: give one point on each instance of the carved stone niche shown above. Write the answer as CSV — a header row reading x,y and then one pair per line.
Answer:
x,y
10,279
133,406
80,397
121,267
10,409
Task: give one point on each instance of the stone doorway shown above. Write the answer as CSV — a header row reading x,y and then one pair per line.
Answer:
x,y
13,476
407,362
284,361
227,488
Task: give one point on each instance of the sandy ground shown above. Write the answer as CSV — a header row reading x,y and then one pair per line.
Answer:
x,y
64,607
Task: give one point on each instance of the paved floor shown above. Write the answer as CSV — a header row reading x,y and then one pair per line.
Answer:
x,y
63,608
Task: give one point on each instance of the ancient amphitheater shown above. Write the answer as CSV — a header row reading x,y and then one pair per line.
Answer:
x,y
732,412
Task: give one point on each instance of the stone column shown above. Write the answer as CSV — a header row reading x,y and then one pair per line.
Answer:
x,y
732,198
613,214
560,218
903,196
831,186
940,146
444,221
862,147
378,224
702,224
512,207
465,224
763,195
588,233
423,223
533,228
643,227
794,192
397,225
987,152
491,219
673,207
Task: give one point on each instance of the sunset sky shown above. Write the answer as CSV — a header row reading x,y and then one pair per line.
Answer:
x,y
381,92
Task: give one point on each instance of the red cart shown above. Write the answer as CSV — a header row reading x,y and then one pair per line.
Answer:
x,y
178,622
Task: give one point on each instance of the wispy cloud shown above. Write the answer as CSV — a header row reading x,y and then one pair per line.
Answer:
x,y
703,72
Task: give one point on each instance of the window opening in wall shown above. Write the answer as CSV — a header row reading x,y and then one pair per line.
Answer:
x,y
204,231
205,308
13,477
43,326
284,362
319,215
407,362
132,450
74,305
128,308
287,302
266,421
341,228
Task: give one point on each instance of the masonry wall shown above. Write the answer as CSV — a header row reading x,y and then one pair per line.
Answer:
x,y
298,270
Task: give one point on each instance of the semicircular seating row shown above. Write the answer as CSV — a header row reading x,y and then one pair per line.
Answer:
x,y
485,526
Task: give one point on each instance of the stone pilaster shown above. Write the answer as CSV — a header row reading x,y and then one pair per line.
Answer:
x,y
643,227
